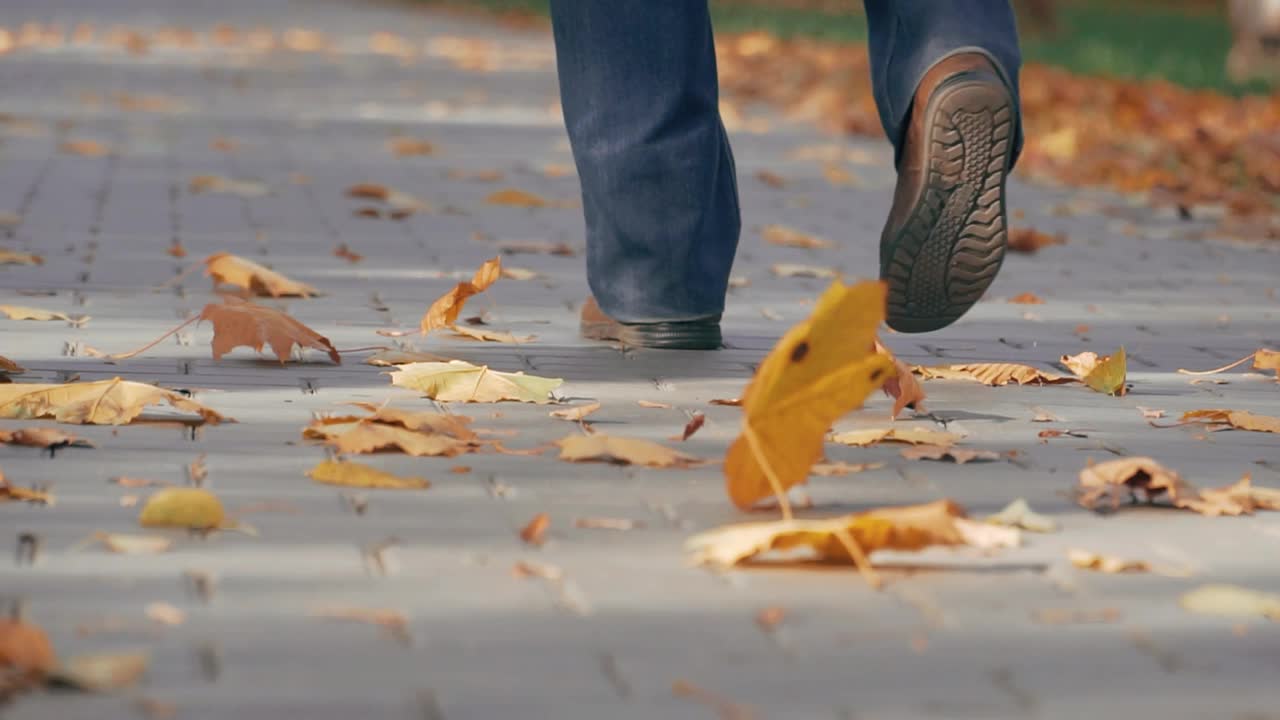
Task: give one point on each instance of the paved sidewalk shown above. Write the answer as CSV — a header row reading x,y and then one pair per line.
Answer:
x,y
957,640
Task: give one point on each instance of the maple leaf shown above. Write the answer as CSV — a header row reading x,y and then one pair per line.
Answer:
x,y
396,199
848,538
229,269
902,387
192,508
103,402
1103,374
458,381
621,451
821,369
443,313
993,374
788,237
239,323
1238,419
350,474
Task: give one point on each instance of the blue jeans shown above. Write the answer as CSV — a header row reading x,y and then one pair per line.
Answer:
x,y
641,104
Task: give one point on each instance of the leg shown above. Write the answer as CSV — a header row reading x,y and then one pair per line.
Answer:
x,y
639,91
945,77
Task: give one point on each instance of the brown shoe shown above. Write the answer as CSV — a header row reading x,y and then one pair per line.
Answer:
x,y
686,335
945,238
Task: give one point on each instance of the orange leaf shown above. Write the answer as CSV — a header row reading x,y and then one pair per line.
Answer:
x,y
229,269
239,323
443,313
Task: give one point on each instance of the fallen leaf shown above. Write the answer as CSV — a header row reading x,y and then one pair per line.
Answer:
x,y
535,531
228,269
42,437
102,672
491,335
1107,483
911,436
1231,601
902,387
1238,419
351,474
346,253
1027,240
104,402
1265,359
126,544
421,434
959,456
513,273
410,147
607,523
397,199
575,414
388,358
1103,374
12,493
132,482
534,247
621,451
772,179
654,405
227,186
1151,413
11,257
22,312
804,271
820,370
191,508
992,374
726,402
789,237
530,569
443,313
1020,515
516,198
1111,564
491,175
26,656
691,427
458,381
1027,298
10,367
840,469
239,323
165,614
87,148
725,708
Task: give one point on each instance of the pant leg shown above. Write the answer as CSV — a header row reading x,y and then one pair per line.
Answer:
x,y
641,104
910,36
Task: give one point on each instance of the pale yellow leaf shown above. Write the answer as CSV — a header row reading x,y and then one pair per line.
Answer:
x,y
351,474
459,381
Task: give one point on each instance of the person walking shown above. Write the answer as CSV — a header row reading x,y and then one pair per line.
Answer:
x,y
641,106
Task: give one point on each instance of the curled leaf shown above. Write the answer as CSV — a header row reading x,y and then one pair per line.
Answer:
x,y
1238,419
228,269
104,402
621,451
1231,601
444,311
910,436
788,237
192,508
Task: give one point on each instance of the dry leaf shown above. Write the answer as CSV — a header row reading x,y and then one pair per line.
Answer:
x,y
840,469
789,237
191,508
535,531
228,269
388,358
126,544
87,148
26,656
911,436
176,249
227,186
1103,374
534,247
607,523
902,387
992,374
514,273
1027,240
458,381
621,451
1105,563
401,201
351,474
820,370
102,673
444,311
516,198
1027,298
1238,419
1020,515
410,147
12,493
959,456
653,405
104,402
165,614
725,708
1108,483
393,621
770,618
726,402
239,323
11,257
346,253
691,427
22,312
575,414
10,367
419,434
804,271
491,335
42,437
1231,601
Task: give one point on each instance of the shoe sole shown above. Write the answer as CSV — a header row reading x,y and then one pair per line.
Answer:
x,y
950,249
658,336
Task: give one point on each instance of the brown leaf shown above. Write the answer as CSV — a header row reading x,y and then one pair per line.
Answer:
x,y
104,402
1027,240
239,323
26,656
419,434
12,493
393,621
1265,359
621,451
87,148
176,249
497,336
659,406
42,437
691,427
102,673
788,237
1074,616
1027,298
227,186
11,257
728,402
992,374
228,269
1238,419
902,387
396,199
1106,484
444,311
575,414
725,708
10,367
772,179
344,252
459,381
535,531
391,358
770,618
410,147
959,456
607,523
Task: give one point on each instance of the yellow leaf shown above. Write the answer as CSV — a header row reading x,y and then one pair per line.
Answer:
x,y
10,257
104,402
385,358
228,269
789,237
239,323
621,451
414,433
22,312
1103,374
910,436
1111,564
350,474
192,508
1265,359
459,381
516,198
575,414
1238,419
821,369
1231,601
992,374
444,311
